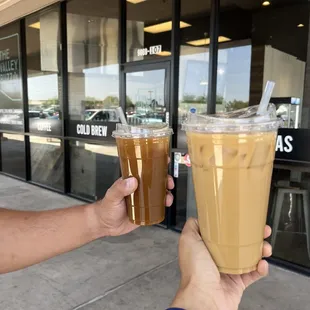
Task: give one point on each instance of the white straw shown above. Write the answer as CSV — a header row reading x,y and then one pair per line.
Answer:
x,y
121,116
263,105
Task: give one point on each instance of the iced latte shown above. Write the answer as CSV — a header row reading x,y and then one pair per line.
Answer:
x,y
232,161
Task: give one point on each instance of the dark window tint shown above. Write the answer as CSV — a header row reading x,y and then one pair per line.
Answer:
x,y
94,168
47,161
13,154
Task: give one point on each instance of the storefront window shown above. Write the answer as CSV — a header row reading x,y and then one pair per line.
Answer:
x,y
233,76
194,61
149,25
193,93
92,31
43,68
94,168
13,154
289,213
47,161
11,104
146,96
263,42
269,41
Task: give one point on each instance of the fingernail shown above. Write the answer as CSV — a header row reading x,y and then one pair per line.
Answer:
x,y
130,183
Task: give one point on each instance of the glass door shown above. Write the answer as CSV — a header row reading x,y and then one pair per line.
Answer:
x,y
147,93
148,96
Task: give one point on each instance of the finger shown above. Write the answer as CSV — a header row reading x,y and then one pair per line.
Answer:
x,y
170,182
267,232
251,277
263,268
267,249
120,189
169,199
169,160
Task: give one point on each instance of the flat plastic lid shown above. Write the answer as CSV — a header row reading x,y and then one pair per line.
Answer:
x,y
243,120
142,131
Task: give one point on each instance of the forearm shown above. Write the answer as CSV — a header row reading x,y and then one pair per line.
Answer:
x,y
27,237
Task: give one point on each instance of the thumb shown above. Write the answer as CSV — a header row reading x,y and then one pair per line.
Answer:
x,y
120,189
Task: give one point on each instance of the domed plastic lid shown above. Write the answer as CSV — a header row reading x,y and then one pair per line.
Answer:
x,y
142,131
243,120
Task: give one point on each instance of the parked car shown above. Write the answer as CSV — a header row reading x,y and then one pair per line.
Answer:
x,y
38,114
98,115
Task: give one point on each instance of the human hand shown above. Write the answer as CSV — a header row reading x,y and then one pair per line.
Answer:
x,y
202,286
111,210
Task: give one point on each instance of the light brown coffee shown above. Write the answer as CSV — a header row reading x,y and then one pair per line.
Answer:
x,y
231,175
146,159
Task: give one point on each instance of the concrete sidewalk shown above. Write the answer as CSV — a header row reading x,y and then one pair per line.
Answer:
x,y
136,271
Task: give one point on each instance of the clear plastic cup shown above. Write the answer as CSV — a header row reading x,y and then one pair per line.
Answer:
x,y
143,152
232,158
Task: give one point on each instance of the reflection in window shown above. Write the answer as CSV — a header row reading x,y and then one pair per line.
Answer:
x,y
265,43
43,47
149,27
145,100
92,32
47,161
94,168
233,78
13,154
290,230
194,61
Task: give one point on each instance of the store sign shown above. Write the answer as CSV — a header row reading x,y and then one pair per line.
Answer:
x,y
152,50
92,130
11,113
48,127
293,144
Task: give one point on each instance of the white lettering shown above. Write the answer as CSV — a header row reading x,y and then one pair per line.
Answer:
x,y
279,144
82,129
289,147
99,131
44,127
5,54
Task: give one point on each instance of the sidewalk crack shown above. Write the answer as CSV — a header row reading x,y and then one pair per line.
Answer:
x,y
112,290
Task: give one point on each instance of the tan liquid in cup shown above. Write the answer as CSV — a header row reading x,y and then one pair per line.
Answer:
x,y
232,174
143,154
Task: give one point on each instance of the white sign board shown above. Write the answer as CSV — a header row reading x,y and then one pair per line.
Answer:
x,y
152,50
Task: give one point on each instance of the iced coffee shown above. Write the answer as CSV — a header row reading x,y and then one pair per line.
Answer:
x,y
143,153
232,161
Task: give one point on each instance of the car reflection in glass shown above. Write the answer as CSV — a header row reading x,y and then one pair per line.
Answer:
x,y
100,115
136,119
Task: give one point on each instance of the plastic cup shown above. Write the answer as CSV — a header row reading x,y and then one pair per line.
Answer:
x,y
232,158
143,152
